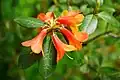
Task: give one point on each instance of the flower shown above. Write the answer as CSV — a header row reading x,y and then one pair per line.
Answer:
x,y
61,47
67,24
73,19
70,18
36,43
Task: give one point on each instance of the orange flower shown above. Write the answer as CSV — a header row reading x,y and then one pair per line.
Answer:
x,y
70,18
36,43
61,47
75,38
46,17
81,36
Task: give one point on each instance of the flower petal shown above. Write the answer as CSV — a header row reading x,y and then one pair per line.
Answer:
x,y
36,46
70,18
81,36
61,47
79,18
36,43
66,20
46,17
70,13
41,16
71,38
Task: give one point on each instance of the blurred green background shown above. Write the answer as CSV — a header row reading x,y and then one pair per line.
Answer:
x,y
98,60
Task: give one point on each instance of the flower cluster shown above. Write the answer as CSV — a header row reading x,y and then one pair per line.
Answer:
x,y
67,24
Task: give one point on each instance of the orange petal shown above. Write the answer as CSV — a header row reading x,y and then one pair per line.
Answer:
x,y
74,29
49,15
71,38
36,46
61,47
41,16
70,18
66,20
27,43
36,43
70,13
73,13
81,36
79,18
46,17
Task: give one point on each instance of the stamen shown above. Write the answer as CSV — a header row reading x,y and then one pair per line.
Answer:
x,y
69,56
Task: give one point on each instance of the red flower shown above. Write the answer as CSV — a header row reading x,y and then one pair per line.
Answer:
x,y
71,38
61,47
36,43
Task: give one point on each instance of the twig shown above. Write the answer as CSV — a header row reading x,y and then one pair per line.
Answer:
x,y
94,38
68,5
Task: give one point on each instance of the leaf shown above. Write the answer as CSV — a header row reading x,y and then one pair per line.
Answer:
x,y
100,2
27,60
61,37
108,70
108,18
84,68
29,22
48,62
91,2
89,24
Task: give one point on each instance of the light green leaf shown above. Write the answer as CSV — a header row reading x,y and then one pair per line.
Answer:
x,y
29,22
89,24
48,62
100,2
108,18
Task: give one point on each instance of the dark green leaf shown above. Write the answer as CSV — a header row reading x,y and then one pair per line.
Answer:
x,y
108,70
48,62
91,2
29,22
90,24
27,60
108,18
61,37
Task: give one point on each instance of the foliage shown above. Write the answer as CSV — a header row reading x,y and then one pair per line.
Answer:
x,y
98,60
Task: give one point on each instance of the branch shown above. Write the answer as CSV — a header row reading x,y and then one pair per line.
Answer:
x,y
94,38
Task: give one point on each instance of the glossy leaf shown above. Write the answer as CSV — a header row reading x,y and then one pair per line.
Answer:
x,y
91,2
48,62
90,24
108,18
27,60
29,22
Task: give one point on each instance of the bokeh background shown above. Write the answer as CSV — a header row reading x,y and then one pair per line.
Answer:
x,y
98,60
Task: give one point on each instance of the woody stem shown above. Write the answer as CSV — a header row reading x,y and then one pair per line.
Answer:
x,y
94,38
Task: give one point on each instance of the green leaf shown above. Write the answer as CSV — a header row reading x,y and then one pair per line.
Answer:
x,y
29,22
100,2
91,2
61,37
27,60
48,62
89,24
108,70
108,18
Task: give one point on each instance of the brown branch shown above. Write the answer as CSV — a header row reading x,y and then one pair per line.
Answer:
x,y
94,38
